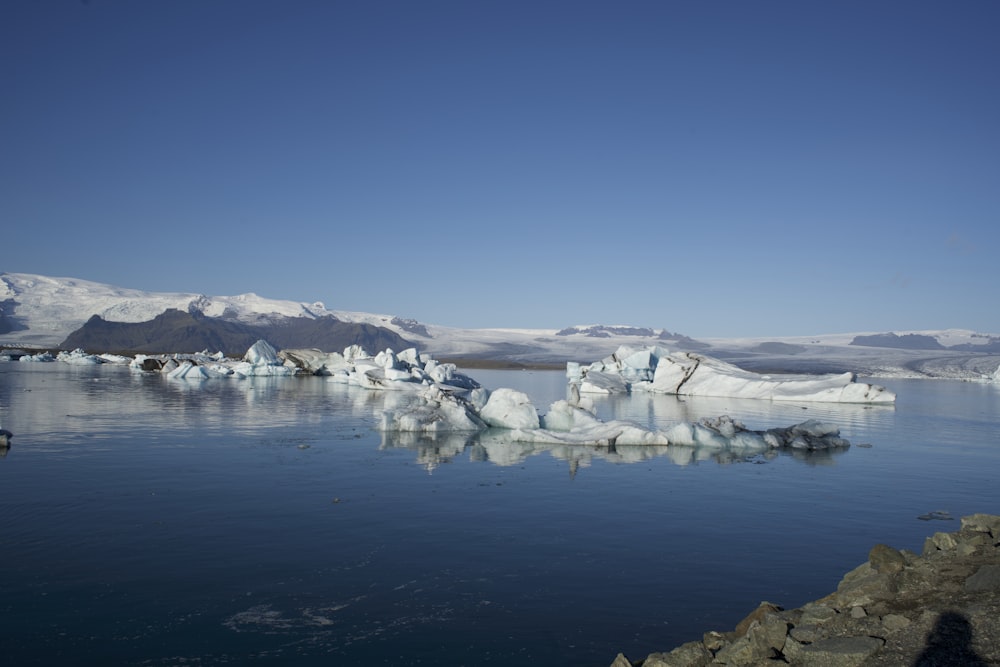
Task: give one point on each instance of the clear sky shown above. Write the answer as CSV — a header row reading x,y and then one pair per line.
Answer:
x,y
716,168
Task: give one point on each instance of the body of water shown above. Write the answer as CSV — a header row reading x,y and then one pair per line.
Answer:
x,y
264,521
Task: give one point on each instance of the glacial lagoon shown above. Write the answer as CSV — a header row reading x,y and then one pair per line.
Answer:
x,y
265,521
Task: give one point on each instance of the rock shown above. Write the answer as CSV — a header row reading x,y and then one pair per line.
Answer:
x,y
982,523
714,641
692,654
621,661
764,640
987,578
939,542
833,652
806,634
886,560
894,622
815,613
757,615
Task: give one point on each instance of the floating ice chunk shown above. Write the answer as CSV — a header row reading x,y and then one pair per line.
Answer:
x,y
78,358
316,361
353,353
116,359
601,382
568,423
262,353
188,370
408,370
447,373
564,416
260,360
686,373
39,357
508,408
434,411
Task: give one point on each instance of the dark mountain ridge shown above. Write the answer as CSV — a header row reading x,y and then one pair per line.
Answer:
x,y
186,332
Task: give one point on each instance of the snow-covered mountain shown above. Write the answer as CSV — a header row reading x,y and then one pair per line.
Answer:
x,y
41,312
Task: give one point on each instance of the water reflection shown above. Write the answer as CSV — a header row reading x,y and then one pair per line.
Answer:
x,y
494,446
663,410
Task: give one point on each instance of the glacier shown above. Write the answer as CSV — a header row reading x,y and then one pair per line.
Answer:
x,y
660,370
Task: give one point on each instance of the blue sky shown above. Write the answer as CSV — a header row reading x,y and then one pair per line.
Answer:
x,y
713,168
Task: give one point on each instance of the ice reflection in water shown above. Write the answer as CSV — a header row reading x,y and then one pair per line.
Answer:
x,y
494,446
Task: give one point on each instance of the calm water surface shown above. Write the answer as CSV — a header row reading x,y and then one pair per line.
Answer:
x,y
264,521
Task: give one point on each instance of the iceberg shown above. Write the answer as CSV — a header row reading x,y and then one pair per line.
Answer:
x,y
260,360
408,370
189,370
659,370
434,411
39,357
569,422
508,408
79,358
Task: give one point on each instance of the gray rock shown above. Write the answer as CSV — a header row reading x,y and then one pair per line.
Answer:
x,y
621,661
939,542
757,615
987,578
816,613
763,640
894,622
692,654
982,523
714,641
886,560
806,634
834,652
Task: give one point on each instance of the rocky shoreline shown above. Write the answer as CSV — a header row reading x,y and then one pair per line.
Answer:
x,y
941,607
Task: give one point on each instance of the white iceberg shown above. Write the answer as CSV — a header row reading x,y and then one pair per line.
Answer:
x,y
656,369
434,411
260,360
509,408
189,370
116,359
568,423
78,357
408,370
38,357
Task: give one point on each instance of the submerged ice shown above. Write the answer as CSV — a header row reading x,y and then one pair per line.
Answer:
x,y
656,369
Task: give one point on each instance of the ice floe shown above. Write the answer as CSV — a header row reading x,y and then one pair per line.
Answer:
x,y
408,370
659,370
78,357
568,423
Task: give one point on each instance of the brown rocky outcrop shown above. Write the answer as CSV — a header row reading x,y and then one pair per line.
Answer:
x,y
941,607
